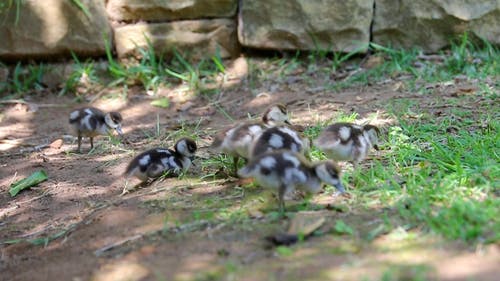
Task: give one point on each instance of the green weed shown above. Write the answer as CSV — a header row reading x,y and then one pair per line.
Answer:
x,y
441,180
200,76
5,6
80,69
466,58
82,7
24,80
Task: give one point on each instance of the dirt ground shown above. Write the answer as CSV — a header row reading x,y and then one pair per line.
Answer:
x,y
84,229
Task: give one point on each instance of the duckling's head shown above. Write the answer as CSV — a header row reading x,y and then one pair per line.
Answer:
x,y
186,147
114,121
329,173
276,114
373,133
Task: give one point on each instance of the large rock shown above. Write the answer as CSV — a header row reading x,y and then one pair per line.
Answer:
x,y
198,38
431,24
161,10
305,25
53,27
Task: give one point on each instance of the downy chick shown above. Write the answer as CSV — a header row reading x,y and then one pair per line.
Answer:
x,y
155,162
236,140
286,171
348,142
91,122
277,138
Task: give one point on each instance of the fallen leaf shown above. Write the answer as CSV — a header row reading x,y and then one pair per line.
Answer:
x,y
373,62
161,102
202,111
123,270
305,223
34,179
342,228
56,144
302,225
185,106
256,214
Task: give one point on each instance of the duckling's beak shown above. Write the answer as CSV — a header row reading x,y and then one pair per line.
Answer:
x,y
340,187
288,122
119,130
376,147
192,158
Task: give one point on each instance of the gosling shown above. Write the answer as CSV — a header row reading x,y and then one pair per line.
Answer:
x,y
91,122
348,142
236,140
155,162
286,171
278,138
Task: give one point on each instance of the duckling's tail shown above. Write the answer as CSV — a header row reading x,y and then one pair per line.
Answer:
x,y
245,172
130,168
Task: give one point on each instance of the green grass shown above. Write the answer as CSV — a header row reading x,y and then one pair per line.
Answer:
x,y
7,5
23,81
444,182
472,59
439,174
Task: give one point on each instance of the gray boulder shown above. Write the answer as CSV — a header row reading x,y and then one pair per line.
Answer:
x,y
305,25
161,10
431,24
53,27
200,38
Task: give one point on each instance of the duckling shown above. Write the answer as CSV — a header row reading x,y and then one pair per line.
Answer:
x,y
153,163
280,137
236,140
91,122
285,170
348,142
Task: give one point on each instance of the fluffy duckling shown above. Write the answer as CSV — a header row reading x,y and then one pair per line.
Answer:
x,y
347,141
91,122
236,140
280,137
286,170
153,163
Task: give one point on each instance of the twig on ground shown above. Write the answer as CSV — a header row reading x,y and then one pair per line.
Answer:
x,y
33,104
108,247
188,227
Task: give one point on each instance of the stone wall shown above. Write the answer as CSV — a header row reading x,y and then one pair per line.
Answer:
x,y
430,24
53,28
201,28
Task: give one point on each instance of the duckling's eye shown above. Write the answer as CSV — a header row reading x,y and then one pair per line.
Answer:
x,y
116,118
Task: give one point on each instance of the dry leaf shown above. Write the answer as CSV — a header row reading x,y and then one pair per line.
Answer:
x,y
305,223
56,144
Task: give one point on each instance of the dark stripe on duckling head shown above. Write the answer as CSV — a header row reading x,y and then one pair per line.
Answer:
x,y
116,117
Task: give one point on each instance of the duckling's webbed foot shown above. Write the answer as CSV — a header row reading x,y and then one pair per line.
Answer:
x,y
127,188
281,198
79,150
236,159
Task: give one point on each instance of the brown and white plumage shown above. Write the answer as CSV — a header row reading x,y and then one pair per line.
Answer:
x,y
91,122
158,161
286,171
347,141
277,138
236,140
